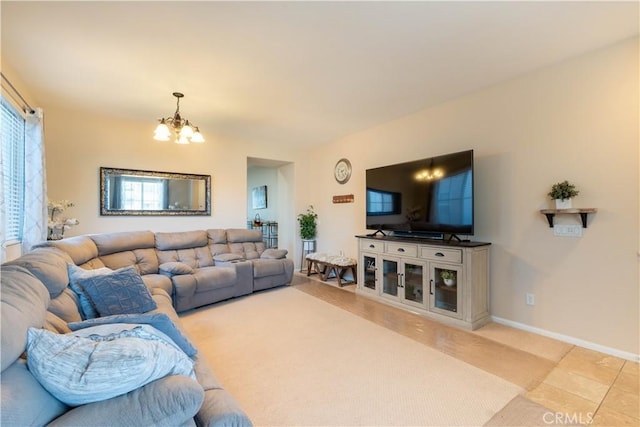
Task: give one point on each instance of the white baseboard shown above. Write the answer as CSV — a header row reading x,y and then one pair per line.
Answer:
x,y
568,339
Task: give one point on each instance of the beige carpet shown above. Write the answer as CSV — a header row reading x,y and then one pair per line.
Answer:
x,y
291,359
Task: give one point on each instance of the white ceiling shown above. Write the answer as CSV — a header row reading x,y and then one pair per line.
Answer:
x,y
290,72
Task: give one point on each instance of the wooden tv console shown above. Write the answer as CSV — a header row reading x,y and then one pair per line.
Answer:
x,y
408,272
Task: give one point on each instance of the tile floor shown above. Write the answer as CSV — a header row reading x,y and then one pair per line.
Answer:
x,y
584,386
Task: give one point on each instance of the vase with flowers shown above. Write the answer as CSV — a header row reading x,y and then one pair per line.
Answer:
x,y
57,224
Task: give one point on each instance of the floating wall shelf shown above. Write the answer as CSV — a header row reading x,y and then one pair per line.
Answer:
x,y
583,212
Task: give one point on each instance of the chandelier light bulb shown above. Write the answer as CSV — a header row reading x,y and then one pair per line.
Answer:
x,y
181,139
197,137
185,132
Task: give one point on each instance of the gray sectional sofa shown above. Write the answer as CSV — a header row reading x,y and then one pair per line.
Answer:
x,y
181,270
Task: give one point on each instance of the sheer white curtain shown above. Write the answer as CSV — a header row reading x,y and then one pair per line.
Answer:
x,y
35,188
3,213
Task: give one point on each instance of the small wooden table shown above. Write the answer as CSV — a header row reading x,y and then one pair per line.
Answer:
x,y
332,266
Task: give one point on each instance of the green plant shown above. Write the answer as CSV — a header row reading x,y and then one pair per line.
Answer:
x,y
307,223
563,190
448,274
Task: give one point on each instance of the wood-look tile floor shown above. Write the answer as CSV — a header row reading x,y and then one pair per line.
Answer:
x,y
587,386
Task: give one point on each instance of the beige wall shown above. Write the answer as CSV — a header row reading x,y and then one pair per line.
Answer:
x,y
74,154
577,120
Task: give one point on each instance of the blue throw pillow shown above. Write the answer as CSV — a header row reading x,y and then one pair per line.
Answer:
x,y
160,321
76,276
121,292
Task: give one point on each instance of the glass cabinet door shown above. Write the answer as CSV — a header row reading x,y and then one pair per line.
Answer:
x,y
390,277
446,290
369,272
413,282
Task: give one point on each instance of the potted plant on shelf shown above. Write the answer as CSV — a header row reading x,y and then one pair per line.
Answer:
x,y
449,277
562,193
307,223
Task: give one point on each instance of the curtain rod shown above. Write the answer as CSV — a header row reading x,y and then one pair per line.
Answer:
x,y
27,108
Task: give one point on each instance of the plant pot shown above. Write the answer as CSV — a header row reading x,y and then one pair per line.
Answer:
x,y
563,203
449,282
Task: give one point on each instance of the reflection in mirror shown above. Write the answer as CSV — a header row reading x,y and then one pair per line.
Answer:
x,y
137,192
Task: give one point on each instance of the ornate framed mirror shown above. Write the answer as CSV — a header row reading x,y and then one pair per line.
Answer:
x,y
140,192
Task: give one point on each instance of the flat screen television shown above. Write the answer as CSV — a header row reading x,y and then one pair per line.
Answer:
x,y
431,197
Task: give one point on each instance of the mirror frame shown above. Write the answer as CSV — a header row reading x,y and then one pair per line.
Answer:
x,y
104,193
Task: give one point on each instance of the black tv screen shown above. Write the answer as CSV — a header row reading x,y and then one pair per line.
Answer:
x,y
428,196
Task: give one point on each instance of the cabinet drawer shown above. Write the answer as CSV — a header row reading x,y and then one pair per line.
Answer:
x,y
441,254
371,246
402,249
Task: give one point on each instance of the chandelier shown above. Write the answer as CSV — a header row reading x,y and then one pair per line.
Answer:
x,y
185,131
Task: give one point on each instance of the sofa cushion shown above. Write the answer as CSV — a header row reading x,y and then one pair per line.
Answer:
x,y
170,401
121,292
175,267
272,253
66,306
55,324
49,265
194,257
77,278
267,267
239,235
209,278
81,249
160,321
24,401
109,243
153,281
248,249
181,240
24,301
107,361
228,257
145,260
217,236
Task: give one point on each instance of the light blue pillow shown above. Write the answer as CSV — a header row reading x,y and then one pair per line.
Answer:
x,y
110,361
77,276
121,292
160,321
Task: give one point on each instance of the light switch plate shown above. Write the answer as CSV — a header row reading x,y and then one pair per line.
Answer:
x,y
567,230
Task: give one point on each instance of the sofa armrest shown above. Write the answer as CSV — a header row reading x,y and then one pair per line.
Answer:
x,y
274,253
174,268
169,401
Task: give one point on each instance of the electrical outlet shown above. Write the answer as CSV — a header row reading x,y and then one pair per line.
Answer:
x,y
531,299
567,230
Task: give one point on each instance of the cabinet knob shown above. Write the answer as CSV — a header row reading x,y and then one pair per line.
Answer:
x,y
400,250
372,246
439,254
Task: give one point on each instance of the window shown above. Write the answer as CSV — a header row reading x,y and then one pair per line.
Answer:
x,y
12,133
143,193
382,202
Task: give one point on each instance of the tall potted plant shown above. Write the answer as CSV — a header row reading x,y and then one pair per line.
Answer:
x,y
307,223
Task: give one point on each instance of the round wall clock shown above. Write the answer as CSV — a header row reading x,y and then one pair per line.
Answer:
x,y
342,171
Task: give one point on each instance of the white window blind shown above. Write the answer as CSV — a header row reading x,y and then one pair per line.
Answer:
x,y
12,133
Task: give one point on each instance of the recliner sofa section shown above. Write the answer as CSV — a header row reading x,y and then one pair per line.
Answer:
x,y
196,268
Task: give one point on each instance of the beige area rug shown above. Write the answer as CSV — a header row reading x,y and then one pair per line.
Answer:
x,y
293,360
